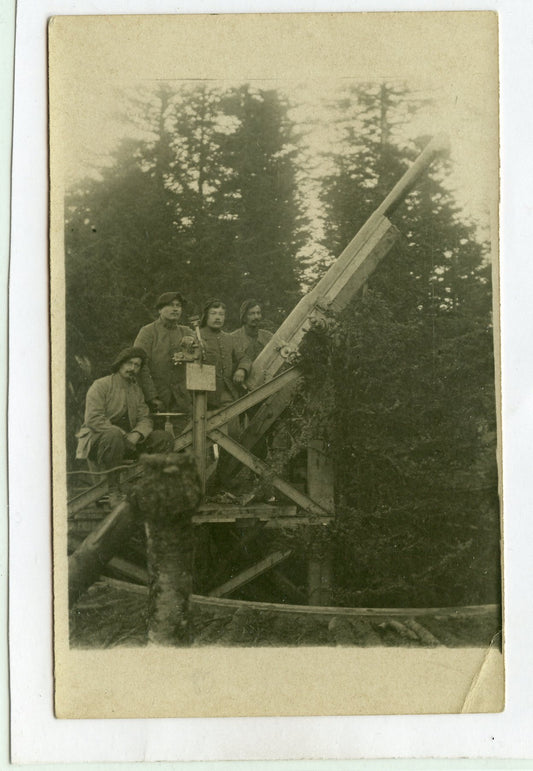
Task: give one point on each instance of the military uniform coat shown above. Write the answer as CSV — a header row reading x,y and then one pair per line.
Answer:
x,y
248,348
160,377
219,349
108,400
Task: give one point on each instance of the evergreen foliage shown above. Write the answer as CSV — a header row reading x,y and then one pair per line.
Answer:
x,y
204,200
408,403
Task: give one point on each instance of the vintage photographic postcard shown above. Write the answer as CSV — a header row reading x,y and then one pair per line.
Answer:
x,y
275,358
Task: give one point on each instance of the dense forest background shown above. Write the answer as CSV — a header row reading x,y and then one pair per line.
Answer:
x,y
216,192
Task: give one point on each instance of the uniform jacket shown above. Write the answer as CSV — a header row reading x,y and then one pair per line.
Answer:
x,y
108,399
248,348
160,376
219,349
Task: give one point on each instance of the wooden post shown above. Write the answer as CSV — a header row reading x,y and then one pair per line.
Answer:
x,y
200,378
166,498
199,443
320,489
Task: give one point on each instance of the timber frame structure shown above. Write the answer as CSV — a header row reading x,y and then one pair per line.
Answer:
x,y
272,382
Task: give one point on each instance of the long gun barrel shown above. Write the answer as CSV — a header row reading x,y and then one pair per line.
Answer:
x,y
346,276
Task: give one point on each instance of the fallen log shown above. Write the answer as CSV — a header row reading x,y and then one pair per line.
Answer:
x,y
88,560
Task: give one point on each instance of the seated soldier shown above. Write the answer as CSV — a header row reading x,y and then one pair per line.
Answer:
x,y
117,423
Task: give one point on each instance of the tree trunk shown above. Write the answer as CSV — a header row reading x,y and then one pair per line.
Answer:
x,y
167,497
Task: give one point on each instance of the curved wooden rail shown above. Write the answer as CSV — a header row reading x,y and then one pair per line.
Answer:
x,y
219,603
224,604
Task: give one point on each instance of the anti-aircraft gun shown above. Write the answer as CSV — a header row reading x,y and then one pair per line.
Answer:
x,y
272,381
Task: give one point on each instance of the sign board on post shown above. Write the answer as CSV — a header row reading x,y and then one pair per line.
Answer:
x,y
201,377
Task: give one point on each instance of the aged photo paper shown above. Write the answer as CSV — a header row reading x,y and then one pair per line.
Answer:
x,y
204,165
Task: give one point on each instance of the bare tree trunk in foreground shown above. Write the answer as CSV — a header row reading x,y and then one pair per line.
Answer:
x,y
166,498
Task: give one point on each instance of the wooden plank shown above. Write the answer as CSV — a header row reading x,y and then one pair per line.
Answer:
x,y
250,573
224,414
92,494
271,523
199,444
345,277
292,522
257,427
347,274
86,563
116,583
232,513
221,603
125,569
265,471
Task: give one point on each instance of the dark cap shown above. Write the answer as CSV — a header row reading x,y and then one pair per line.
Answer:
x,y
212,303
167,298
245,307
126,355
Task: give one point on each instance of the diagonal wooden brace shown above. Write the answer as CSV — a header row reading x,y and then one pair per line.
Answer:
x,y
265,416
265,471
219,418
333,292
250,574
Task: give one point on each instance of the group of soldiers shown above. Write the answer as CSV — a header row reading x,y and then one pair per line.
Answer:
x,y
150,377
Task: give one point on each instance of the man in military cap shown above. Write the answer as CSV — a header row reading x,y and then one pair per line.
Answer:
x,y
249,340
162,378
117,421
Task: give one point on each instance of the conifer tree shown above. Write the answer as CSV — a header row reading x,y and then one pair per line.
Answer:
x,y
262,197
413,378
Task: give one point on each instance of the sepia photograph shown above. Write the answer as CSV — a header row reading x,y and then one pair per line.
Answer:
x,y
275,348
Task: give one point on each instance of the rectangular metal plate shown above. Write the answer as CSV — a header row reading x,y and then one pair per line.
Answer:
x,y
201,377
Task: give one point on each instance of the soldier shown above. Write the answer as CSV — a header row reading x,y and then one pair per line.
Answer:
x,y
219,349
117,421
163,376
249,339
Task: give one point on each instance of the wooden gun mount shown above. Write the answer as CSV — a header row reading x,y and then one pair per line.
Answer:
x,y
332,294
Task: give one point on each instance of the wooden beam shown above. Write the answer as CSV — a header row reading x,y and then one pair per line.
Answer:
x,y
199,444
263,419
213,512
126,586
228,605
122,568
265,471
86,563
345,277
269,523
221,604
224,414
336,288
250,573
92,494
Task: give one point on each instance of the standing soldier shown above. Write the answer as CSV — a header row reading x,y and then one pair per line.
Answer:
x,y
163,376
249,339
219,349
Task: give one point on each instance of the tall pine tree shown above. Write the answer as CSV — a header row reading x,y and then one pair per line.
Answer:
x,y
413,429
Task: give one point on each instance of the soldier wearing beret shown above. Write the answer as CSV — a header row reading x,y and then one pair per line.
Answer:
x,y
163,376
